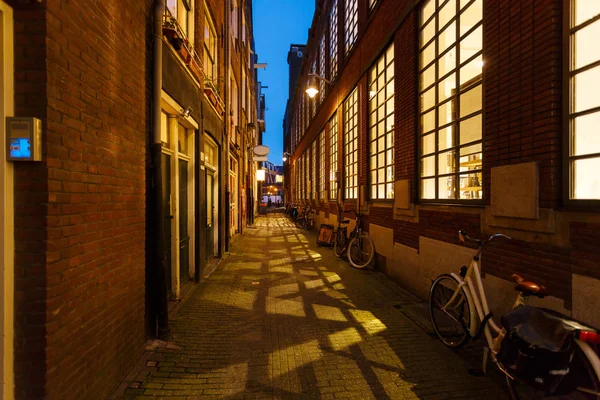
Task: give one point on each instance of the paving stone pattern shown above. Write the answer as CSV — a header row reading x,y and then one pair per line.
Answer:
x,y
284,319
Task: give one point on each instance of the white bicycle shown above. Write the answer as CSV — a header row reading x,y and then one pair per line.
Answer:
x,y
542,353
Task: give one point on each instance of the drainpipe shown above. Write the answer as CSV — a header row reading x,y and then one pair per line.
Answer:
x,y
159,255
226,125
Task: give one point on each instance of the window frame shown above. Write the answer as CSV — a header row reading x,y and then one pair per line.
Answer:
x,y
352,101
350,27
460,90
322,175
333,40
313,171
333,157
375,111
209,25
568,179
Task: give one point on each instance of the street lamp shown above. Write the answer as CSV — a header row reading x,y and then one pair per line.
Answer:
x,y
285,156
312,89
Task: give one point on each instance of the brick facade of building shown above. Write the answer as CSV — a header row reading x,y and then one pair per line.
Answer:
x,y
523,128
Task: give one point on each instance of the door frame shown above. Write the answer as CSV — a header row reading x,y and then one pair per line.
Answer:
x,y
7,233
174,119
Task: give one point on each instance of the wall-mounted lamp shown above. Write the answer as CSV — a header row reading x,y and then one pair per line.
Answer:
x,y
186,112
312,88
286,155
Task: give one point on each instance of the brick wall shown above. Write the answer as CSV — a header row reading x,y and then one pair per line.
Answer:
x,y
31,208
84,69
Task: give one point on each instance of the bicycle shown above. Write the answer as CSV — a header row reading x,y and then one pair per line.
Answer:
x,y
306,221
537,349
359,247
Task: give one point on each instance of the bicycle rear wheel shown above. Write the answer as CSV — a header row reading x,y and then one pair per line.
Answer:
x,y
340,242
299,222
581,380
361,251
450,321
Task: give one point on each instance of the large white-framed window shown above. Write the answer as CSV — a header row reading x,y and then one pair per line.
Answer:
x,y
381,126
333,40
351,145
333,157
450,100
210,48
313,168
350,25
322,174
584,102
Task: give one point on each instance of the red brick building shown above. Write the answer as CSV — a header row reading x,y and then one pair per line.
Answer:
x,y
133,198
447,115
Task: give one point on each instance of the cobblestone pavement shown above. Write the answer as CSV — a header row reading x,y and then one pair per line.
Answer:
x,y
283,319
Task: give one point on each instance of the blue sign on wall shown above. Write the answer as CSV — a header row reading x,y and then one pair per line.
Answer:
x,y
20,148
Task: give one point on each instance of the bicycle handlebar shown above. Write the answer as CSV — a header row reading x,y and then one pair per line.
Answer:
x,y
462,234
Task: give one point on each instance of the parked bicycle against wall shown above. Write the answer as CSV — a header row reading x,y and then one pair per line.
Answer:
x,y
291,210
541,352
358,247
306,220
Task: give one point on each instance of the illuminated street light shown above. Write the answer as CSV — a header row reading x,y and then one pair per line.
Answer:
x,y
312,88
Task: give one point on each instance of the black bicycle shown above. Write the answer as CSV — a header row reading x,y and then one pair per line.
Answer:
x,y
358,247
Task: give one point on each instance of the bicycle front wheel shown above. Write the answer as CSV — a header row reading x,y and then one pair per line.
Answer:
x,y
299,222
450,319
361,250
581,383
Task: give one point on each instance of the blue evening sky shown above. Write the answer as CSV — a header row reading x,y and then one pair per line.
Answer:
x,y
277,24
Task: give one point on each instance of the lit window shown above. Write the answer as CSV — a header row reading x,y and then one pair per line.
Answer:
x,y
313,166
322,193
333,157
210,50
450,91
584,103
351,146
306,163
312,105
351,24
333,40
322,71
381,126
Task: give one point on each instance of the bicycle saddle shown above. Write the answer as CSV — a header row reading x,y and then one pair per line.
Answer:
x,y
529,288
345,221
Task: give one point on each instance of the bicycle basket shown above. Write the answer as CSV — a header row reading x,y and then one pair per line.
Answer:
x,y
537,349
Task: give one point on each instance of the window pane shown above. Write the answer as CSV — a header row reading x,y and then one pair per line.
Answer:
x,y
587,49
587,180
428,121
446,163
586,136
471,45
447,189
447,62
428,166
470,186
428,188
428,144
447,88
446,13
446,113
447,37
445,138
427,55
470,101
428,9
471,17
472,71
428,99
585,9
470,129
427,32
586,90
427,77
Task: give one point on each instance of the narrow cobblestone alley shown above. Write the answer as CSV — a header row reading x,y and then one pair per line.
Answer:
x,y
283,319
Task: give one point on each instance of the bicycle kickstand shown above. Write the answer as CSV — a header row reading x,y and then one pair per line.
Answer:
x,y
486,353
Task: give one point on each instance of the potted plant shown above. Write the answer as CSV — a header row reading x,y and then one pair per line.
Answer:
x,y
170,28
